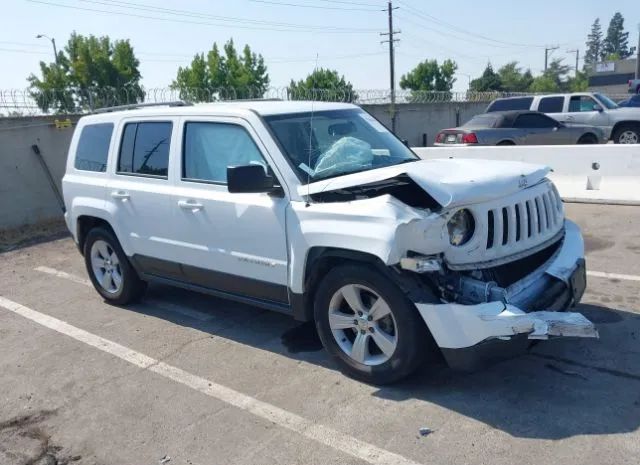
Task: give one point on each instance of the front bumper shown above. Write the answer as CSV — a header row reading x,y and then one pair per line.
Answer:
x,y
551,289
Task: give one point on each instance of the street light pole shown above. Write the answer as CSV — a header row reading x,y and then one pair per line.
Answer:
x,y
53,42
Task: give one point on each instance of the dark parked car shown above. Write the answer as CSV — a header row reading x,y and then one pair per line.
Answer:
x,y
520,127
631,102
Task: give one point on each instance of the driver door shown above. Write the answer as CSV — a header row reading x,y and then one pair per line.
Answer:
x,y
234,243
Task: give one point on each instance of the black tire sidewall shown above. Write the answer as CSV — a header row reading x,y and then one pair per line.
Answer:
x,y
616,136
132,286
412,331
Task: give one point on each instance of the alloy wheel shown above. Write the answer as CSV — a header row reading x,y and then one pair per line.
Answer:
x,y
363,324
106,266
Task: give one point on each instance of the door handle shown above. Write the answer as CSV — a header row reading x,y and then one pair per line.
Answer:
x,y
122,195
569,118
190,205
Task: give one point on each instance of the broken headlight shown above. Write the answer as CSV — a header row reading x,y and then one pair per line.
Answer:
x,y
461,227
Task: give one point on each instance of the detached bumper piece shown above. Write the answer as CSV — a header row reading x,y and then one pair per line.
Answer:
x,y
540,325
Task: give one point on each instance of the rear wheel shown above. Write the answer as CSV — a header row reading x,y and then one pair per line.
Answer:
x,y
368,325
109,269
505,142
628,134
588,139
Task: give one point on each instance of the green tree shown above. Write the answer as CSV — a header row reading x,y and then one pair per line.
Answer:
x,y
91,72
227,75
544,84
617,40
559,73
594,44
513,79
323,85
429,76
579,83
489,81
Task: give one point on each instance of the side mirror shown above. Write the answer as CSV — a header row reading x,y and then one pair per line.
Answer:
x,y
597,107
249,179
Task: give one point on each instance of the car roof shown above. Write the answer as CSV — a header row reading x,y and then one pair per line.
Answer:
x,y
232,108
506,117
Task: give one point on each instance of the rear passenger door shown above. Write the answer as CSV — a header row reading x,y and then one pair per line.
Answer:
x,y
139,193
552,106
230,242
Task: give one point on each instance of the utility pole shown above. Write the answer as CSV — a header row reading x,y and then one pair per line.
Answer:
x,y
546,55
392,65
577,52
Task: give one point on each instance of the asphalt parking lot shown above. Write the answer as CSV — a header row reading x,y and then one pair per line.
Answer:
x,y
188,379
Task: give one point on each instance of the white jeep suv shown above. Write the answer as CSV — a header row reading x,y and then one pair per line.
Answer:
x,y
316,210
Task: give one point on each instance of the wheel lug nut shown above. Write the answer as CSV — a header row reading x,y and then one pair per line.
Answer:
x,y
362,331
359,313
369,318
355,322
372,329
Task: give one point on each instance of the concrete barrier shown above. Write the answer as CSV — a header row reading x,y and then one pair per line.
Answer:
x,y
583,173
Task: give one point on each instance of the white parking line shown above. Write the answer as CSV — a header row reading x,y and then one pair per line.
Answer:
x,y
156,303
624,277
307,428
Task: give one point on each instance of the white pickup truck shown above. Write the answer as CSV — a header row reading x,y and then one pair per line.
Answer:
x,y
317,211
620,125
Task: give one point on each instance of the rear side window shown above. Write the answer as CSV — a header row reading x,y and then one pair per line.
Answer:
x,y
551,105
533,120
93,147
145,149
520,103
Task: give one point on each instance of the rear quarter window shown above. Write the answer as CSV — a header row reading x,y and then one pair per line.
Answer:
x,y
93,147
521,103
551,105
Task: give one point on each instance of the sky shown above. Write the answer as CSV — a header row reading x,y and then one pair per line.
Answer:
x,y
290,34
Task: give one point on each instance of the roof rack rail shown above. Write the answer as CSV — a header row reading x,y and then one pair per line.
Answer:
x,y
134,106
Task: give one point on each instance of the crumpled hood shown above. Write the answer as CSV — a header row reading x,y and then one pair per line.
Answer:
x,y
450,182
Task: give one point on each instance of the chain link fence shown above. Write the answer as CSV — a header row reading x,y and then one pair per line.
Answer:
x,y
24,102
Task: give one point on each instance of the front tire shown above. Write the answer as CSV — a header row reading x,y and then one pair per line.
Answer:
x,y
627,134
109,269
368,325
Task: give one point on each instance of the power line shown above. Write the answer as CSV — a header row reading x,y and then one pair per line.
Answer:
x,y
283,27
433,19
319,7
392,65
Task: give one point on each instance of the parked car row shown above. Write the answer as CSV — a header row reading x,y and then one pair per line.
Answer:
x,y
575,118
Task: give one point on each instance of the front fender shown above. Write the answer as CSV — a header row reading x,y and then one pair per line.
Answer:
x,y
383,227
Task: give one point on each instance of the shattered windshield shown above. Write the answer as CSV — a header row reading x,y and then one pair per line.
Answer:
x,y
337,142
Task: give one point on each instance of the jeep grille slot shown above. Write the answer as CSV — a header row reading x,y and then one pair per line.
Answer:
x,y
531,217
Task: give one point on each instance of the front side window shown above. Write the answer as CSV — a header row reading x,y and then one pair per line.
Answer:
x,y
551,104
145,149
332,143
209,148
93,147
581,103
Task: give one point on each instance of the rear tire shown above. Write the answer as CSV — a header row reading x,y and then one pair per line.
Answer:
x,y
627,134
383,343
109,268
505,142
588,139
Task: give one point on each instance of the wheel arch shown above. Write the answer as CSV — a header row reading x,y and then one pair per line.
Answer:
x,y
85,223
318,261
621,124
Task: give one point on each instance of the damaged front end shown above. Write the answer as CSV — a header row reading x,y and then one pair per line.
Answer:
x,y
476,315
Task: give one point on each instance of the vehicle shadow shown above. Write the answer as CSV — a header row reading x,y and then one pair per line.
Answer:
x,y
560,388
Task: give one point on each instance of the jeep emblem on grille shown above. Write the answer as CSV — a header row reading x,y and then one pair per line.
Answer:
x,y
522,183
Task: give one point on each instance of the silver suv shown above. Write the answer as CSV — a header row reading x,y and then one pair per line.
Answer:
x,y
621,125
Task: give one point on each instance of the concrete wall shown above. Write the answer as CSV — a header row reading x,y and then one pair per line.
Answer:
x,y
415,119
26,196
